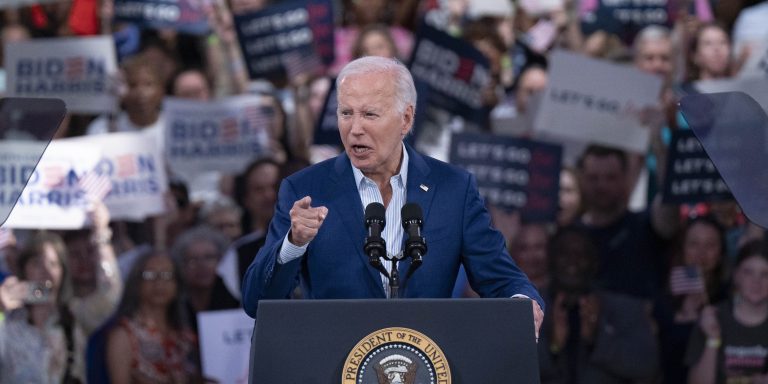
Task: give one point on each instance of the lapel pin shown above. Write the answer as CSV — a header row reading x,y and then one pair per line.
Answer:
x,y
424,187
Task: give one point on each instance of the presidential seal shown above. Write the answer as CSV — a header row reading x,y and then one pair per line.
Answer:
x,y
396,356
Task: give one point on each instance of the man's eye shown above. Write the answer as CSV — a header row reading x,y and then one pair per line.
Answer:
x,y
371,115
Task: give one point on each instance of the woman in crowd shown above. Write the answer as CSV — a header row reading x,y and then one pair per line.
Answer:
x,y
697,278
710,54
199,251
374,40
256,192
42,341
141,104
151,341
730,343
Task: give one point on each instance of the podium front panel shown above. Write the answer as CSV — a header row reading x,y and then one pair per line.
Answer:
x,y
484,341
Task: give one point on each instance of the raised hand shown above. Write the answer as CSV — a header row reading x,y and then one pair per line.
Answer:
x,y
305,221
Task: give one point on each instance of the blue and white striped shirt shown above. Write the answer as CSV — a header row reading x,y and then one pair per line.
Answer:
x,y
369,193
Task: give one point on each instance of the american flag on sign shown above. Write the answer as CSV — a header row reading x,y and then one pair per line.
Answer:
x,y
75,68
300,62
126,165
258,120
229,131
686,280
95,186
53,175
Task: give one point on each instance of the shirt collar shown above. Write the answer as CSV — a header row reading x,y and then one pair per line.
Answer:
x,y
402,175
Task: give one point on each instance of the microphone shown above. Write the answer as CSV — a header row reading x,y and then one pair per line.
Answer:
x,y
415,245
374,246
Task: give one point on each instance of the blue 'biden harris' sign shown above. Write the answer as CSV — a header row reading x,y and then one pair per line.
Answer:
x,y
625,18
188,16
287,38
515,174
453,71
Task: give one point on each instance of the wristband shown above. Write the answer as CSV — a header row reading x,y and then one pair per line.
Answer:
x,y
714,343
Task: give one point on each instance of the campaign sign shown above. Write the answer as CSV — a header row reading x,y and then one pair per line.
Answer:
x,y
515,174
327,124
596,101
287,39
55,196
187,16
77,70
17,165
10,4
690,176
624,18
455,72
219,136
135,164
225,345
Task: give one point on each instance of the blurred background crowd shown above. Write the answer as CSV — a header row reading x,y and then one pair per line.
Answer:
x,y
662,294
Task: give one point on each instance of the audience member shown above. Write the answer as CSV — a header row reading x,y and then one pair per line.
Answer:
x,y
198,252
96,282
374,40
696,279
141,104
629,243
150,340
42,340
223,215
710,54
529,250
730,343
256,192
191,83
591,335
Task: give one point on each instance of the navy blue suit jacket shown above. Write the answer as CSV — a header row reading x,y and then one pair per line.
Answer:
x,y
457,229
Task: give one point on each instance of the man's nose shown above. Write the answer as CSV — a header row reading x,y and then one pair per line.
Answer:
x,y
357,125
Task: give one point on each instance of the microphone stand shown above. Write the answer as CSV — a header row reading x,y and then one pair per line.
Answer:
x,y
394,281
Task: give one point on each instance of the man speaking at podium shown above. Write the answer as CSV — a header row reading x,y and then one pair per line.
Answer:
x,y
317,234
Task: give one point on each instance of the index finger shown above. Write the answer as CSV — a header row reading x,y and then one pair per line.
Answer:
x,y
304,203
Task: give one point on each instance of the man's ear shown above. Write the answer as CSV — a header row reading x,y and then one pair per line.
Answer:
x,y
408,117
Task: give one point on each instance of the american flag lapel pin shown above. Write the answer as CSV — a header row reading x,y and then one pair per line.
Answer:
x,y
424,187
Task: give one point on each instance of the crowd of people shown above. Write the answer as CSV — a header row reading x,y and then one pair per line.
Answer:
x,y
118,300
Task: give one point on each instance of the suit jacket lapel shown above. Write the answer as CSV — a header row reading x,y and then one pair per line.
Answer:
x,y
349,207
420,190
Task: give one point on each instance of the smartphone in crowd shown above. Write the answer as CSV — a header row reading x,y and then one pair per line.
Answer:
x,y
38,292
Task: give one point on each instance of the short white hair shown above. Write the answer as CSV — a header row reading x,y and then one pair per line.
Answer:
x,y
651,33
405,90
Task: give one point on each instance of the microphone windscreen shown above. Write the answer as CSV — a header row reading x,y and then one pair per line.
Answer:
x,y
375,211
410,212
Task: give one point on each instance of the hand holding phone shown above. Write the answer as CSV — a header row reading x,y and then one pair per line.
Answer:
x,y
12,293
38,292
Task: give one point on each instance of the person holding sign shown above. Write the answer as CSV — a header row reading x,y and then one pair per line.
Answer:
x,y
317,233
